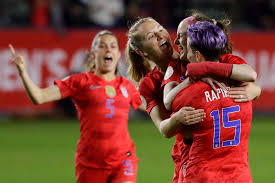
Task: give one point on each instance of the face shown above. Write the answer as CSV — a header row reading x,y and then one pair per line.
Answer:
x,y
181,39
107,54
191,55
156,43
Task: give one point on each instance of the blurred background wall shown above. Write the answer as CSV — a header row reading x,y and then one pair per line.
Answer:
x,y
54,34
38,142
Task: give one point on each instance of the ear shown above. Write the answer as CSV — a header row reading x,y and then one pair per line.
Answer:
x,y
199,57
141,53
90,53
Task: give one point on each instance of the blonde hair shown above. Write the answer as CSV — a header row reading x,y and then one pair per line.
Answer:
x,y
89,63
139,66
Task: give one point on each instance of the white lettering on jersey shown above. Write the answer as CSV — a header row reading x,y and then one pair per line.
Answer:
x,y
212,95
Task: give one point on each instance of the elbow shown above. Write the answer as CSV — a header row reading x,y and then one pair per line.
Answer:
x,y
253,76
167,104
37,100
165,134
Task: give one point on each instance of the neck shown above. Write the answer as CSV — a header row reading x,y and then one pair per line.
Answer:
x,y
175,55
162,67
108,76
163,64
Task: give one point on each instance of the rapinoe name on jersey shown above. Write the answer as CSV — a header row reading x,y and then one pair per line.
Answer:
x,y
212,95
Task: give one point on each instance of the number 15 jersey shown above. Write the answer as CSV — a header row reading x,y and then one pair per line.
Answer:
x,y
103,108
219,153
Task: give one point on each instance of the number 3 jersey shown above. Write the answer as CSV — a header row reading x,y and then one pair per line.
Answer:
x,y
103,108
219,153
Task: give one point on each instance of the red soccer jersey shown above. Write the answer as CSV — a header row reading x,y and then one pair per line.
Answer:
x,y
151,90
175,72
231,59
177,68
219,152
103,113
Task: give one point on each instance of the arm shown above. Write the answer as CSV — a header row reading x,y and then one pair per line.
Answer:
x,y
36,94
239,72
171,89
243,72
245,92
142,108
170,126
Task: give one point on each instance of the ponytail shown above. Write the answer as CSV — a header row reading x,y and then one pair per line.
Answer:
x,y
139,66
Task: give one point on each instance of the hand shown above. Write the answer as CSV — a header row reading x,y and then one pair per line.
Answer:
x,y
189,115
210,81
17,59
245,92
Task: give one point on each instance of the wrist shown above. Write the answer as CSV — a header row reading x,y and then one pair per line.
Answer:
x,y
21,71
175,119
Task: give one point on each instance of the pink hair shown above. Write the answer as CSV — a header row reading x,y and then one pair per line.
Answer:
x,y
190,20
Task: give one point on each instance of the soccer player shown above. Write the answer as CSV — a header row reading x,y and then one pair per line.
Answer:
x,y
105,151
149,41
237,70
175,73
219,152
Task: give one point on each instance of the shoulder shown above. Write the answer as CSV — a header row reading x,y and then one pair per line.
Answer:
x,y
151,82
126,82
196,88
200,85
154,75
232,59
77,76
78,80
148,82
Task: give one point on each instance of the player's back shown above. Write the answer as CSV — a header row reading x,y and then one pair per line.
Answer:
x,y
219,152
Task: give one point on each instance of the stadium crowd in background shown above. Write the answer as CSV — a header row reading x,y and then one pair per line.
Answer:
x,y
246,14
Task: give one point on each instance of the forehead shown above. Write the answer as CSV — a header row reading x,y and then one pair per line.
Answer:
x,y
107,38
182,28
148,26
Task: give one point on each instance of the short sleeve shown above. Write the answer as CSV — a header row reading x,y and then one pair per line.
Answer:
x,y
172,74
231,59
69,85
135,96
146,89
